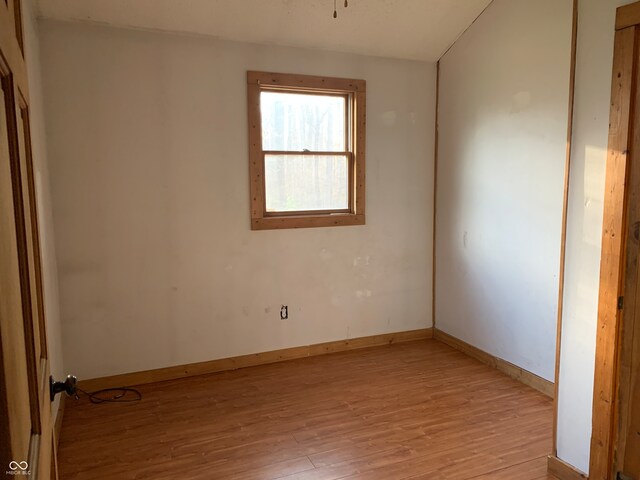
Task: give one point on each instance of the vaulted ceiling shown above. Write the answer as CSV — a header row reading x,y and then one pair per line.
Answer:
x,y
408,29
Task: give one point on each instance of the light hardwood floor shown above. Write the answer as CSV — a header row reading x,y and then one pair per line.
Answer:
x,y
418,410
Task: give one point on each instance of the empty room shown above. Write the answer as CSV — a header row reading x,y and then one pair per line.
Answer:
x,y
320,239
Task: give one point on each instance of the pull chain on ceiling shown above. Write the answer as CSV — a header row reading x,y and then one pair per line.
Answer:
x,y
335,7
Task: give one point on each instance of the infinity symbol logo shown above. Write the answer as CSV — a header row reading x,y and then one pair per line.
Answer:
x,y
13,465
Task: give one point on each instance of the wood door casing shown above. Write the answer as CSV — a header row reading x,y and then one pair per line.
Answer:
x,y
626,451
626,435
615,441
611,263
12,332
24,246
26,431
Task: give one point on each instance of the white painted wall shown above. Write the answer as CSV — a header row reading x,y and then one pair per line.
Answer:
x,y
43,199
147,138
596,20
501,167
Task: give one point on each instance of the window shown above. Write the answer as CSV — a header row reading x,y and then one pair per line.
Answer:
x,y
306,150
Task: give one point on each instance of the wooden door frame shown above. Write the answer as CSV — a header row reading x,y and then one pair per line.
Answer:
x,y
624,138
28,270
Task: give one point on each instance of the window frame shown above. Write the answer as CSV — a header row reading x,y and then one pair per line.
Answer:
x,y
354,92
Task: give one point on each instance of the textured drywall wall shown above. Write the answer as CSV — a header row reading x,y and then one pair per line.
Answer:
x,y
503,107
158,266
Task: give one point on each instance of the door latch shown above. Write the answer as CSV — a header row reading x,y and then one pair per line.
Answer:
x,y
68,386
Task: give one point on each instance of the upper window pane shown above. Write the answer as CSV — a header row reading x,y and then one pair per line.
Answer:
x,y
297,122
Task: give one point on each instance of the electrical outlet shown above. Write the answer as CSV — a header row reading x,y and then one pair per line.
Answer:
x,y
284,312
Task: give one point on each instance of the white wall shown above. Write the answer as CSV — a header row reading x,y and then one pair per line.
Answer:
x,y
501,168
43,200
158,265
596,19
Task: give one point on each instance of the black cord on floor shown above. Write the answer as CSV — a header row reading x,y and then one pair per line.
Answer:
x,y
113,395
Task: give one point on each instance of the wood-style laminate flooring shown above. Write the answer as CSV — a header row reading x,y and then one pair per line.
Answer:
x,y
418,410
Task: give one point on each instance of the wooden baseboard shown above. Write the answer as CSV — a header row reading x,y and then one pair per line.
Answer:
x,y
563,470
232,363
57,426
510,369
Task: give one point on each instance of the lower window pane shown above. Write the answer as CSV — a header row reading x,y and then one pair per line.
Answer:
x,y
306,182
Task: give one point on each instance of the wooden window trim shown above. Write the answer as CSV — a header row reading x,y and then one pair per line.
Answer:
x,y
355,90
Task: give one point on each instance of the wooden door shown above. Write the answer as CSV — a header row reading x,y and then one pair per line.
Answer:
x,y
26,434
615,441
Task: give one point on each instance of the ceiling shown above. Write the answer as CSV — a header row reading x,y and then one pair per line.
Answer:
x,y
408,29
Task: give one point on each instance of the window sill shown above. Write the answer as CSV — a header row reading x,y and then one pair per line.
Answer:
x,y
307,221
